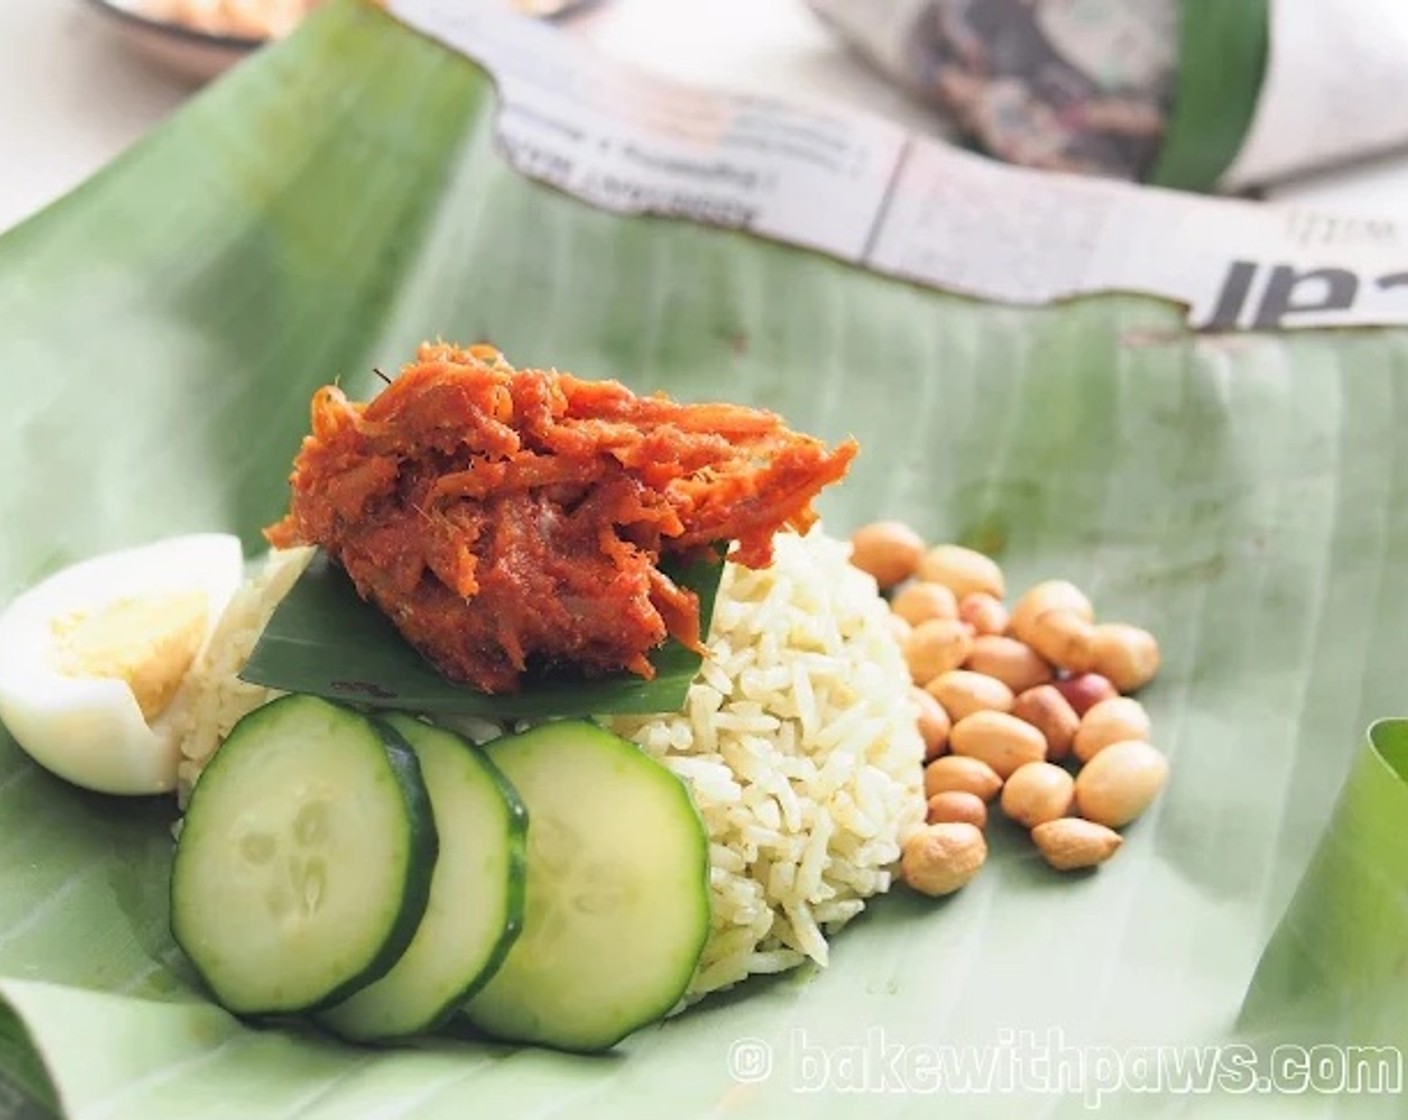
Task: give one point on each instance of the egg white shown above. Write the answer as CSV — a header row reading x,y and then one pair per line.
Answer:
x,y
90,730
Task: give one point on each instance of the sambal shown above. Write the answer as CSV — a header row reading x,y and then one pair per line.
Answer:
x,y
506,519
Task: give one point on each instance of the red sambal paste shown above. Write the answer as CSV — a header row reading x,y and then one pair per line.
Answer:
x,y
502,517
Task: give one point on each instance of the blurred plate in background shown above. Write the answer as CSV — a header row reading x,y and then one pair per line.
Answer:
x,y
200,53
195,55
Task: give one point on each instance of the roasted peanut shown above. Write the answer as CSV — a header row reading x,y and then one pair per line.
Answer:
x,y
1070,843
1110,721
963,692
936,647
888,550
1051,595
938,859
1047,710
1037,792
920,601
1003,741
958,805
968,775
933,722
1120,782
899,628
985,614
1127,655
962,570
1014,663
1064,639
1085,690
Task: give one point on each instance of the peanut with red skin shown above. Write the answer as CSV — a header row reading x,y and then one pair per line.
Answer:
x,y
1047,710
1084,690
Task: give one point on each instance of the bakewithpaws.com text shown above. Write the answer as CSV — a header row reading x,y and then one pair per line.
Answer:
x,y
1049,1063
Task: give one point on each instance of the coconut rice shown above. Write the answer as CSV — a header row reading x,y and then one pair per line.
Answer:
x,y
798,742
213,698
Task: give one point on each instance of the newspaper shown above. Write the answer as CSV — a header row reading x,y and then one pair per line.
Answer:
x,y
863,190
1335,87
1064,85
1088,85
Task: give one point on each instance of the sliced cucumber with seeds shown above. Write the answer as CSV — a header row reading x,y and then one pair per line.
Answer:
x,y
305,861
617,905
476,896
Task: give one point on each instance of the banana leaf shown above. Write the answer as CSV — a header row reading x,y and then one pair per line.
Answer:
x,y
1222,57
325,640
338,200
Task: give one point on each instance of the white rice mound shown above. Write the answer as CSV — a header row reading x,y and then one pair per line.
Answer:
x,y
213,697
798,742
800,746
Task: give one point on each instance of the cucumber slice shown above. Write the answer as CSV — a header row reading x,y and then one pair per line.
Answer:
x,y
305,860
617,907
476,895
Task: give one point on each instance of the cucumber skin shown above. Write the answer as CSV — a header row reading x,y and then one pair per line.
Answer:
x,y
423,851
518,882
517,840
656,1015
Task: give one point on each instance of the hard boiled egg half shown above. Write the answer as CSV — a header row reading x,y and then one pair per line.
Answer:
x,y
92,658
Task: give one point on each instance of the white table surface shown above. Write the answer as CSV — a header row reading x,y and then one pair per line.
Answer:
x,y
72,97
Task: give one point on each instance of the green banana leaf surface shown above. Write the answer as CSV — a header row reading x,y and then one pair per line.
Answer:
x,y
339,199
325,640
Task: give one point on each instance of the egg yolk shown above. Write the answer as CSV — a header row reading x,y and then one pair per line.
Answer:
x,y
149,642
